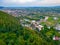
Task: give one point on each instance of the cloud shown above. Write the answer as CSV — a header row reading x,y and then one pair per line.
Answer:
x,y
18,1
31,2
49,2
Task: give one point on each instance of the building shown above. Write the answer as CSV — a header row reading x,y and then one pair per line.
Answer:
x,y
55,18
57,27
56,38
39,27
36,25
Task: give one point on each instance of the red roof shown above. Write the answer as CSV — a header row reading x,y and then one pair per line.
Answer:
x,y
56,38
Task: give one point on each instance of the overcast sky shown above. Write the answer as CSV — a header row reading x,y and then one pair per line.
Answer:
x,y
19,3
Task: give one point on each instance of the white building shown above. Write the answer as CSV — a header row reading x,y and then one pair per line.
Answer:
x,y
40,27
57,27
33,21
36,25
55,18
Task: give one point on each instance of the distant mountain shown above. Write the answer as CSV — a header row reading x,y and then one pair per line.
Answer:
x,y
57,6
1,7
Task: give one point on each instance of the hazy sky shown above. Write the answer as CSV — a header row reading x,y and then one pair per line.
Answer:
x,y
18,3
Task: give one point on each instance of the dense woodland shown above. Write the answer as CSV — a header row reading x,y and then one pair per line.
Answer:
x,y
12,33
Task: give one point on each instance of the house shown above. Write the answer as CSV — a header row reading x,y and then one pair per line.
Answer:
x,y
36,25
56,38
39,27
55,18
57,27
33,21
27,20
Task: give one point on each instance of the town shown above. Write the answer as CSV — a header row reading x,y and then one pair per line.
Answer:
x,y
35,19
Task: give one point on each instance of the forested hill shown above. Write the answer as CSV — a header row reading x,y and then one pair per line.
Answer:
x,y
12,33
7,22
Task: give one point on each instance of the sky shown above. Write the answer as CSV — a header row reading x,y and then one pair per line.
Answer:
x,y
29,3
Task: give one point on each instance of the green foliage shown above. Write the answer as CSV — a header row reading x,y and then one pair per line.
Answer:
x,y
8,23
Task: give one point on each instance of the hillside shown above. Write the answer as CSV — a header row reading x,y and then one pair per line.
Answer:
x,y
7,22
12,33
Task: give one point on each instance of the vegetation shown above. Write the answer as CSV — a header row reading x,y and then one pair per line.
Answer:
x,y
12,33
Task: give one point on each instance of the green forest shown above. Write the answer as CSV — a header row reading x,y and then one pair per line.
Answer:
x,y
12,33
